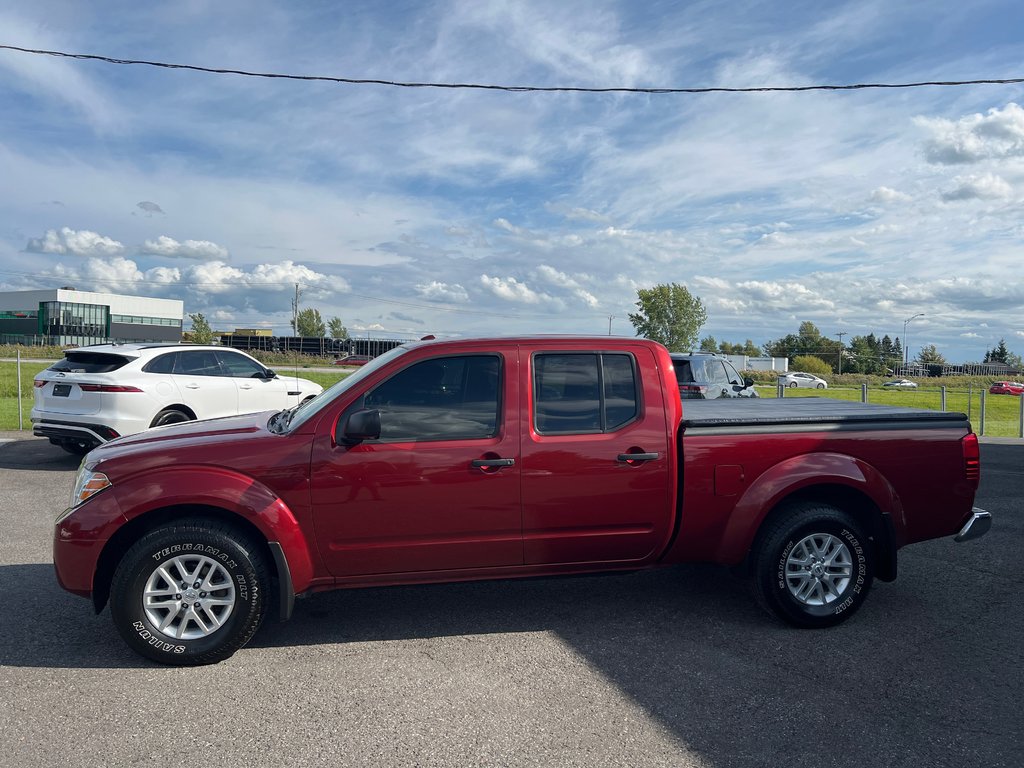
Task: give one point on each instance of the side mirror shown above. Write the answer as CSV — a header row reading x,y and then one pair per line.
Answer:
x,y
748,382
270,374
362,425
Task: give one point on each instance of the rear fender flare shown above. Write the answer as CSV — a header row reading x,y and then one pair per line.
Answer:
x,y
796,474
235,493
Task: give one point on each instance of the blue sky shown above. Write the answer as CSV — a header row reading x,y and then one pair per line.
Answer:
x,y
454,212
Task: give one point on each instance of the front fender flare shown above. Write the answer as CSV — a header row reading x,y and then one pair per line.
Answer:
x,y
224,489
799,473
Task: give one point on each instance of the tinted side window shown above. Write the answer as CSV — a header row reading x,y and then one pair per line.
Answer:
x,y
89,362
240,366
716,372
581,393
162,364
683,372
733,375
200,362
450,398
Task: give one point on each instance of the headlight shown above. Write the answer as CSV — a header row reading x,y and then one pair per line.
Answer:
x,y
87,484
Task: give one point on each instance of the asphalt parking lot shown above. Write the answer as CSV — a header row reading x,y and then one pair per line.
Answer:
x,y
676,667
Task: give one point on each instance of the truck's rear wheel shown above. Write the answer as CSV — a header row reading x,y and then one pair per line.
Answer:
x,y
813,566
189,593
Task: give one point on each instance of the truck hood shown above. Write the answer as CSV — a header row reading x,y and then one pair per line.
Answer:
x,y
185,436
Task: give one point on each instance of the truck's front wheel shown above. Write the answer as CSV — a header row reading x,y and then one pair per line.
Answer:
x,y
189,593
813,566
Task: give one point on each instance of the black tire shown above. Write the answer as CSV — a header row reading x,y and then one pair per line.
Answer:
x,y
170,416
820,386
212,555
813,567
77,447
791,385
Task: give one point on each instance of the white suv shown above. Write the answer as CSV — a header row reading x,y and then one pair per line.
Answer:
x,y
98,393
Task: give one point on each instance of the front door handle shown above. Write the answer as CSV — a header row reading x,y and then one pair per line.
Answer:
x,y
629,458
191,386
488,463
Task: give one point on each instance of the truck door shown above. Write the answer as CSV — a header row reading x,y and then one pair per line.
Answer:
x,y
595,459
440,489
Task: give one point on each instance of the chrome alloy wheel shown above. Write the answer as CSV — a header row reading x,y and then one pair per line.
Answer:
x,y
189,597
819,569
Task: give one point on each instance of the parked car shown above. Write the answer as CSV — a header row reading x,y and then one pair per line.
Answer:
x,y
1006,388
354,360
101,392
798,379
705,376
502,458
901,384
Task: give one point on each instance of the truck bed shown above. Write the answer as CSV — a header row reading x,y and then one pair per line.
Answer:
x,y
746,415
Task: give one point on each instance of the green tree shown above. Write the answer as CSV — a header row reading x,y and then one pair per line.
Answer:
x,y
670,315
336,329
708,344
929,355
201,332
811,364
999,354
750,349
808,341
309,323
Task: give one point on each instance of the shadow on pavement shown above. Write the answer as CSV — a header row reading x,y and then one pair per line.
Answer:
x,y
36,453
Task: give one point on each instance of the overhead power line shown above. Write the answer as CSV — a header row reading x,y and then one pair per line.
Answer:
x,y
511,88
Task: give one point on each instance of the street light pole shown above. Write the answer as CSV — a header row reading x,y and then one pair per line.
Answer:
x,y
906,346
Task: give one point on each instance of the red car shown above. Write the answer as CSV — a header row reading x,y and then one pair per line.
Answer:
x,y
354,360
1006,388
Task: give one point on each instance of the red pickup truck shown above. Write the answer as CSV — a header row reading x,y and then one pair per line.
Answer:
x,y
479,459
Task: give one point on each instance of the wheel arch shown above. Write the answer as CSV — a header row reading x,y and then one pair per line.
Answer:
x,y
135,529
839,480
852,501
180,407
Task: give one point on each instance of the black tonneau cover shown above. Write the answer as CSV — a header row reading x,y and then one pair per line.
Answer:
x,y
794,414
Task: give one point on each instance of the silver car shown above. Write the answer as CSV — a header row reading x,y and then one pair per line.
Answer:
x,y
806,380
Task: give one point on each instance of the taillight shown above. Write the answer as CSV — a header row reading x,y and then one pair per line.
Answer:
x,y
37,383
972,459
107,388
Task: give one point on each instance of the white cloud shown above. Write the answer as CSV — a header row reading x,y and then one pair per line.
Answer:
x,y
985,187
74,243
888,195
510,289
170,248
115,275
999,134
437,291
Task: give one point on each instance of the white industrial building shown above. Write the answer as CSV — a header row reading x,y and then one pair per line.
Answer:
x,y
68,317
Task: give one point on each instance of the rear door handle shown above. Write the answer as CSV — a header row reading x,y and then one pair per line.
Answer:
x,y
494,462
631,457
191,386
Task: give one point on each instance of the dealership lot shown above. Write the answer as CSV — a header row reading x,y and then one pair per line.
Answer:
x,y
674,667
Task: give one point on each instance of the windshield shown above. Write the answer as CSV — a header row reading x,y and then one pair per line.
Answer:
x,y
314,406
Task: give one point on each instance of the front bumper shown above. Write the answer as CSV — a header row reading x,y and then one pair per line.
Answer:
x,y
977,525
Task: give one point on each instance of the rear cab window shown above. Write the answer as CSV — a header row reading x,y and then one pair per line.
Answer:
x,y
583,392
90,362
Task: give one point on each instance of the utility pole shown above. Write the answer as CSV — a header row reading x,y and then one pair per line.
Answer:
x,y
610,318
295,312
840,335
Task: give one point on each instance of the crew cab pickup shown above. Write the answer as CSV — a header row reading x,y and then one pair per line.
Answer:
x,y
479,459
